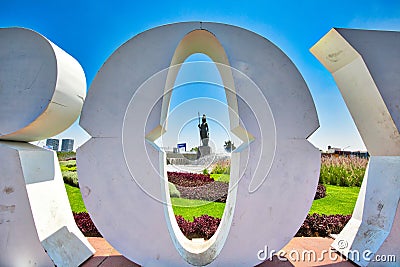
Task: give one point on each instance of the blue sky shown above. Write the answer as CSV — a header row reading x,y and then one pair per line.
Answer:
x,y
91,30
198,90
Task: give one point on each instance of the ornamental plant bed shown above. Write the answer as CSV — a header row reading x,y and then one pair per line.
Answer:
x,y
202,227
215,191
322,225
189,179
205,226
86,225
342,171
321,192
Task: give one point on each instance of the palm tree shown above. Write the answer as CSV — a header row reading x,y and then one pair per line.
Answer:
x,y
229,146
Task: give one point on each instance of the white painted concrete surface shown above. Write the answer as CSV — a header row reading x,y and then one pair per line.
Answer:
x,y
366,69
42,93
43,88
274,173
35,215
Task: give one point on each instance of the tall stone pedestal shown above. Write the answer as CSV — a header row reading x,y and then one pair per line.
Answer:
x,y
204,151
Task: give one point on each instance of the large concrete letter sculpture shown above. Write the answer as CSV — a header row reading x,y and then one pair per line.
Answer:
x,y
41,93
274,173
365,65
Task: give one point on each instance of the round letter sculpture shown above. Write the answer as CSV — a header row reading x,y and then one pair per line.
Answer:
x,y
274,172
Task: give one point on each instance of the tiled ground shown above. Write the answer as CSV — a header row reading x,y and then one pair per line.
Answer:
x,y
107,256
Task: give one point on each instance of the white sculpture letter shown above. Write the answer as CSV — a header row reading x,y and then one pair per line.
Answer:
x,y
274,173
41,94
365,65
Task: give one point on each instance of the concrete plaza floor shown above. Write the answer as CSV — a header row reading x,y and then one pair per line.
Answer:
x,y
107,256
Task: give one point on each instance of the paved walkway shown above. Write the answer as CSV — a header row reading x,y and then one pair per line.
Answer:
x,y
107,256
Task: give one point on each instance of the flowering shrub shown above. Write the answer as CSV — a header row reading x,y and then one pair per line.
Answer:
x,y
222,167
205,226
202,227
314,225
215,191
189,179
322,225
342,171
321,191
85,224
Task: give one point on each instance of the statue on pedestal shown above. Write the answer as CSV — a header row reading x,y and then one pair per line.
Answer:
x,y
204,149
204,134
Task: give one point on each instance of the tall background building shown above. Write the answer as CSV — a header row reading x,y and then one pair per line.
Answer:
x,y
67,145
52,144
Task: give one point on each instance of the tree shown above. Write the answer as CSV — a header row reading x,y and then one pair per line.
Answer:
x,y
229,146
194,149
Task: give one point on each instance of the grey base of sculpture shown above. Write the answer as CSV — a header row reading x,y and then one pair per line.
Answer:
x,y
368,233
36,223
204,151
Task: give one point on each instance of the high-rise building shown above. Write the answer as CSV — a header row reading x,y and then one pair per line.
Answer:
x,y
67,145
52,144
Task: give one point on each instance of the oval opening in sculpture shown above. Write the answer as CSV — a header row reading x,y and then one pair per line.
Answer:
x,y
198,169
203,45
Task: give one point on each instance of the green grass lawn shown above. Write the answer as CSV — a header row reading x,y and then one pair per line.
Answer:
x,y
189,208
75,199
338,200
220,177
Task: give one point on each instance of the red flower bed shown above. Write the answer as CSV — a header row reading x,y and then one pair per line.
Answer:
x,y
321,192
205,226
189,179
86,225
202,227
323,225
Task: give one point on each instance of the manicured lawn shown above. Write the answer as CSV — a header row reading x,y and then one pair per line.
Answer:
x,y
75,199
338,200
220,177
189,208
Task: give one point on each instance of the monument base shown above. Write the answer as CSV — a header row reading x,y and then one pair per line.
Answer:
x,y
36,222
204,151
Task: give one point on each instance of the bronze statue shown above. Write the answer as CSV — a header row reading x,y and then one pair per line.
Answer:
x,y
204,134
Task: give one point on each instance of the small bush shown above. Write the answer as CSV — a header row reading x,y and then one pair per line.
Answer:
x,y
322,225
205,171
86,225
221,167
71,178
173,191
321,192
